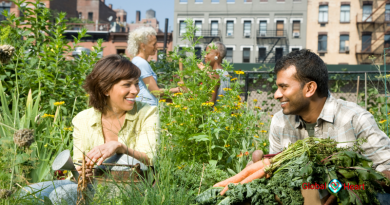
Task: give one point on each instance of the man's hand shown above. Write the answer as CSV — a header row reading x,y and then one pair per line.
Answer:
x,y
102,152
88,173
201,66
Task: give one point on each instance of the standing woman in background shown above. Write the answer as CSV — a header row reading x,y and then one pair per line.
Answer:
x,y
142,44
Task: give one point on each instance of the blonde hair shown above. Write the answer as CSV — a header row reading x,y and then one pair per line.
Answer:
x,y
138,36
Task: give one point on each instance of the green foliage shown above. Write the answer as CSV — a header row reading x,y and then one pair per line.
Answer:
x,y
202,132
41,61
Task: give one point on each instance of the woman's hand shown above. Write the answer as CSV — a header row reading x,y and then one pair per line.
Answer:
x,y
201,66
88,172
102,152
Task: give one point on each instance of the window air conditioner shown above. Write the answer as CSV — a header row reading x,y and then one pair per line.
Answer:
x,y
296,34
229,34
346,48
263,34
247,34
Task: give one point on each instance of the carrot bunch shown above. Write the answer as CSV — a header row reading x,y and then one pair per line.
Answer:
x,y
250,173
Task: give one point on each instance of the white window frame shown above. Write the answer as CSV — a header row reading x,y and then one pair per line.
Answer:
x,y
291,47
284,48
230,19
242,47
280,19
296,19
231,46
231,2
247,19
180,19
262,19
215,2
183,2
215,19
199,2
198,19
227,27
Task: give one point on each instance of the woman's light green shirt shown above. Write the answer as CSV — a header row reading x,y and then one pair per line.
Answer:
x,y
140,130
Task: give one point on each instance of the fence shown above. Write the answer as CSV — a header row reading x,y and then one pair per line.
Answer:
x,y
354,86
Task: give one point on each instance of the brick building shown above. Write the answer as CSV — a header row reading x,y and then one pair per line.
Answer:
x,y
95,10
68,6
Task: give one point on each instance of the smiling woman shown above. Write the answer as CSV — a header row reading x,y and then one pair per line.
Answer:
x,y
116,124
142,44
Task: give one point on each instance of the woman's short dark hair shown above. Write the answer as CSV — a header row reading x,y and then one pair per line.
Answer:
x,y
107,72
309,66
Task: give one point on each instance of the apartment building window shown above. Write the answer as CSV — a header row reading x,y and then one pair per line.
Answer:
x,y
263,28
229,28
183,1
280,1
80,15
229,55
247,1
367,10
387,12
215,1
246,55
230,1
120,51
344,13
366,42
279,28
264,1
387,41
198,26
322,42
4,7
323,14
262,54
182,28
294,49
198,1
90,16
278,54
296,29
247,28
214,28
344,43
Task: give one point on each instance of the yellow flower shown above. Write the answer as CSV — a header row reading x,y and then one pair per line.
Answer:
x,y
168,124
47,115
181,124
233,79
208,104
382,121
261,123
59,103
220,95
56,46
185,108
68,129
177,106
45,145
255,100
227,89
227,128
234,115
227,145
256,136
65,171
239,72
163,100
176,94
265,144
87,95
263,131
257,107
253,144
52,50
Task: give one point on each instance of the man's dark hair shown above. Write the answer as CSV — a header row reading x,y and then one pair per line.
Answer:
x,y
309,66
107,72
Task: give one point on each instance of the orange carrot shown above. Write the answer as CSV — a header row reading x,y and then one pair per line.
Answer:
x,y
244,173
257,175
226,189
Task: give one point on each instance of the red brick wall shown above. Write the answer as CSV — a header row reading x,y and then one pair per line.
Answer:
x,y
86,6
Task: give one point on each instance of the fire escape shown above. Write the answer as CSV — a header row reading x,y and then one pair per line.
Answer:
x,y
373,25
275,44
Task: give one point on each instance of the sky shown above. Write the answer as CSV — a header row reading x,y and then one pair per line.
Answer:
x,y
163,8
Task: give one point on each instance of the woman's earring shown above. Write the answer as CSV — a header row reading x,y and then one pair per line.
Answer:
x,y
107,95
216,58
